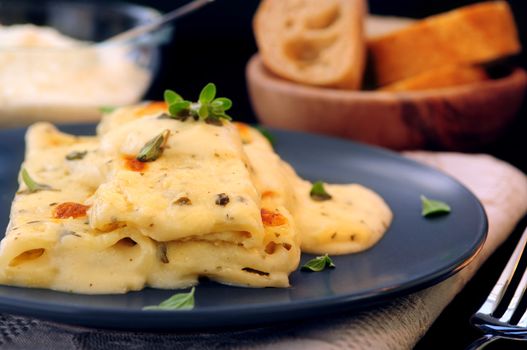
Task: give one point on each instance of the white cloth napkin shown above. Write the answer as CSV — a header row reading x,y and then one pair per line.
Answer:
x,y
399,325
503,191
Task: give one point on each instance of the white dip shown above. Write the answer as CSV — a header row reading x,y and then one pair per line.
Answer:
x,y
45,75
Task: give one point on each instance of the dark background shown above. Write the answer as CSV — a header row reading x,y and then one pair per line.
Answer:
x,y
215,44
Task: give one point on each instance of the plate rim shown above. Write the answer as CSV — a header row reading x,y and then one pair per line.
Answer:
x,y
88,316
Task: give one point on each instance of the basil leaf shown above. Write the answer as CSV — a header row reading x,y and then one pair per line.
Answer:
x,y
76,155
153,148
207,94
318,192
107,109
266,134
432,207
181,301
32,185
171,97
318,264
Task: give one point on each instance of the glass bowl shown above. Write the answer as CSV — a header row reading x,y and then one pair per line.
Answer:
x,y
45,76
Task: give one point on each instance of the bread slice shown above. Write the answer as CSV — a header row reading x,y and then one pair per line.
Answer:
x,y
446,76
472,34
313,42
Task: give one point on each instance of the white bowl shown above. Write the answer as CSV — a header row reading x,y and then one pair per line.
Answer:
x,y
52,78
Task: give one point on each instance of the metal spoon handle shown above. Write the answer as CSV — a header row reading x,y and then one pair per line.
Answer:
x,y
147,27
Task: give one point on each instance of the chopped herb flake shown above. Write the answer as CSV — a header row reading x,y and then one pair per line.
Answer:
x,y
318,192
318,264
32,185
222,199
180,301
76,155
107,109
153,148
431,207
162,253
183,201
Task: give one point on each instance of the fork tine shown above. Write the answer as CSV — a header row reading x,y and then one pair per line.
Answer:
x,y
495,296
523,321
516,298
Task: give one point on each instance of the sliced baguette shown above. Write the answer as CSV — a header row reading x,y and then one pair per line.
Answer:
x,y
440,78
470,35
313,42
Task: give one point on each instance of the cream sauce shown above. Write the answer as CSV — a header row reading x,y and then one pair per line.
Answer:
x,y
140,232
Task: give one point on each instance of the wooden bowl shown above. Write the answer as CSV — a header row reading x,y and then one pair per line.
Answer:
x,y
456,118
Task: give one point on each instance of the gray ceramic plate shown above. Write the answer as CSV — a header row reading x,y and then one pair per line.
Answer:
x,y
415,253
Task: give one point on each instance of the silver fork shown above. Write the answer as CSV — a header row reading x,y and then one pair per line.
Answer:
x,y
502,328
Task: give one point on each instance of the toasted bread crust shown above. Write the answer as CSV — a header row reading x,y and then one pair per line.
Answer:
x,y
440,78
470,35
313,42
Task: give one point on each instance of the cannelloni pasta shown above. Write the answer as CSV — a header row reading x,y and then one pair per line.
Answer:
x,y
158,201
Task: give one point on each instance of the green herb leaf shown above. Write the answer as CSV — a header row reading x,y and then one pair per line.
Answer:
x,y
207,94
222,103
32,185
318,264
433,207
153,148
76,155
203,111
266,134
171,97
318,192
181,301
223,116
208,109
107,109
177,107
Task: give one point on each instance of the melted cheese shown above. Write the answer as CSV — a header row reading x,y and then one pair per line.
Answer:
x,y
200,162
99,254
160,223
352,221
